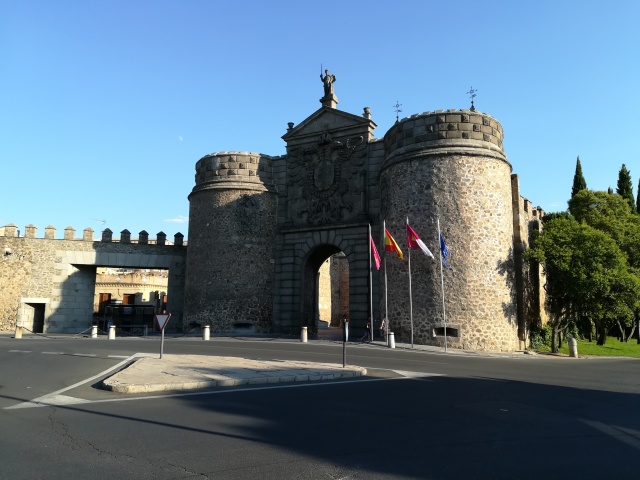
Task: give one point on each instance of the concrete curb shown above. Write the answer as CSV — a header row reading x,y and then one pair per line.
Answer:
x,y
194,372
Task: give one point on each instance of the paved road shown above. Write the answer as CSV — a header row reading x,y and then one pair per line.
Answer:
x,y
480,417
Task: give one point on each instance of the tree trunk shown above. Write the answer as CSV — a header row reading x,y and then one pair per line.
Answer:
x,y
554,336
602,333
633,330
622,332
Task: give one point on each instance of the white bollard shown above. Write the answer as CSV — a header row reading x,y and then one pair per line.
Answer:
x,y
112,332
94,331
303,335
206,332
18,333
573,347
392,340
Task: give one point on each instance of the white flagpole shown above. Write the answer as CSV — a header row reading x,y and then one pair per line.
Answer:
x,y
386,306
444,316
370,289
410,295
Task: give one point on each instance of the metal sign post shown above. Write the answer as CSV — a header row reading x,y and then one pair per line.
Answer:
x,y
162,319
345,339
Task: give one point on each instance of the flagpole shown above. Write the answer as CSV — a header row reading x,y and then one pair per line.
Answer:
x,y
386,306
410,294
370,289
444,316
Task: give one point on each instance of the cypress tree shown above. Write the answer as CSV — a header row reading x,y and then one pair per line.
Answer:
x,y
610,191
579,183
625,186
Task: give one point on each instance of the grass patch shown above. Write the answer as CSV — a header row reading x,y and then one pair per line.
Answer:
x,y
613,348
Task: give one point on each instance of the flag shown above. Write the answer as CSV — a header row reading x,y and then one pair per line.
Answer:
x,y
444,251
376,255
390,244
413,241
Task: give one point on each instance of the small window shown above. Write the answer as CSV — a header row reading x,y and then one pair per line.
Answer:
x,y
451,332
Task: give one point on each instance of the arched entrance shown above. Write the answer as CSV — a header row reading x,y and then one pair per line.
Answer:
x,y
301,253
325,299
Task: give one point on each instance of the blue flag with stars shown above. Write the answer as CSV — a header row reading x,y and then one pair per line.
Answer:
x,y
444,251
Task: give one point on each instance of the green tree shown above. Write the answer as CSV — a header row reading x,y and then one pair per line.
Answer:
x,y
611,214
587,275
638,198
625,186
579,183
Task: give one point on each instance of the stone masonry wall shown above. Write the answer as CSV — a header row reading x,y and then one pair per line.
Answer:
x,y
464,181
60,273
232,225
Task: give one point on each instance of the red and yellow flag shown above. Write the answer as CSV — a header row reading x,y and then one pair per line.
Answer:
x,y
390,244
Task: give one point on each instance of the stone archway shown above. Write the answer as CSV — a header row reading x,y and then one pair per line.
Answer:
x,y
300,255
310,284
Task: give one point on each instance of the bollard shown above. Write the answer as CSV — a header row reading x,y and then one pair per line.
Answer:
x,y
392,340
112,332
145,331
94,331
205,332
573,347
18,332
303,335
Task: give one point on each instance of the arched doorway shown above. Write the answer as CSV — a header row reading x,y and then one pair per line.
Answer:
x,y
316,287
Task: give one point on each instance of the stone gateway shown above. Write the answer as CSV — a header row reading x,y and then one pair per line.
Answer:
x,y
265,230
261,227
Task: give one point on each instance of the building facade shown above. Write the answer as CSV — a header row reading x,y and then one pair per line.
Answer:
x,y
265,232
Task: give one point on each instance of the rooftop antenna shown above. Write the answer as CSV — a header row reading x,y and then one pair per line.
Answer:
x,y
472,94
397,109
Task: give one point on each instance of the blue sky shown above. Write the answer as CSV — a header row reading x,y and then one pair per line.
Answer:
x,y
107,106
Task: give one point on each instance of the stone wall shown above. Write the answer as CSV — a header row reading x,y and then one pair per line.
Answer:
x,y
232,227
465,184
324,292
527,221
60,275
339,289
336,184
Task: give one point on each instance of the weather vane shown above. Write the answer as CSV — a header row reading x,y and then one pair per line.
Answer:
x,y
397,109
472,94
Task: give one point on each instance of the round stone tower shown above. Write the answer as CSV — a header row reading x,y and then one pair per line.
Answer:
x,y
450,166
232,226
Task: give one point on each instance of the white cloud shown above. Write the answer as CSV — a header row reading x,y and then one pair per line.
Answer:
x,y
180,138
178,219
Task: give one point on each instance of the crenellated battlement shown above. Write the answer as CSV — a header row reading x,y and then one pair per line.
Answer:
x,y
30,231
450,129
234,170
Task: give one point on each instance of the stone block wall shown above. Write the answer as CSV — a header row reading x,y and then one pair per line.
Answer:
x,y
60,274
464,182
232,225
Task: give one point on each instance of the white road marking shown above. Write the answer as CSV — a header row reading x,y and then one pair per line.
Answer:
x,y
117,356
84,355
404,373
44,399
19,351
628,436
54,398
52,353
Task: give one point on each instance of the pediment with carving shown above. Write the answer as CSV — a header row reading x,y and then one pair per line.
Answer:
x,y
326,180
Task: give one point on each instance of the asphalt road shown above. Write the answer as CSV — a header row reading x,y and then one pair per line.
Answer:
x,y
459,416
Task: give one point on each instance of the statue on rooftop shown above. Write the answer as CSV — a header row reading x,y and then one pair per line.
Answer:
x,y
328,80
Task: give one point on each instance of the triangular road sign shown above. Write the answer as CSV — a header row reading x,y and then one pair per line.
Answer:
x,y
162,319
